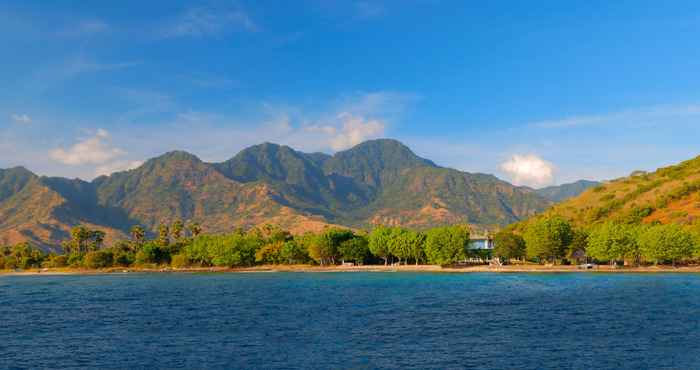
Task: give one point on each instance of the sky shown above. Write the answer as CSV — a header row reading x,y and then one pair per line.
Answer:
x,y
537,93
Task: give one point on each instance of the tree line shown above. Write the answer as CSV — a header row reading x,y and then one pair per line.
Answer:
x,y
549,239
553,239
183,245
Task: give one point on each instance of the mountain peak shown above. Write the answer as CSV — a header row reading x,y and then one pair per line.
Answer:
x,y
371,160
177,155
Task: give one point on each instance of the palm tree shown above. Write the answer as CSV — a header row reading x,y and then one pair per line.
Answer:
x,y
98,237
177,229
163,235
138,234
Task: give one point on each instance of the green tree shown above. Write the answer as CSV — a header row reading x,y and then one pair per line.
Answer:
x,y
508,245
670,242
324,248
415,243
579,243
138,236
98,259
447,245
354,249
379,242
152,253
612,241
294,252
270,253
547,238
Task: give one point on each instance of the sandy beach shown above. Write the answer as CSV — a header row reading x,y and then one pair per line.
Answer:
x,y
367,268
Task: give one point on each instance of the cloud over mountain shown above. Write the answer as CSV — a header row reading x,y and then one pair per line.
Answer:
x,y
529,170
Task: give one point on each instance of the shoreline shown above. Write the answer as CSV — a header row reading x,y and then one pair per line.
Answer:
x,y
536,269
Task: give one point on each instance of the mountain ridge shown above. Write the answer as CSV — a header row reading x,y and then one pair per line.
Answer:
x,y
376,182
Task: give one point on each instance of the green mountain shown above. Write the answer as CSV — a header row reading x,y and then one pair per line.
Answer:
x,y
565,191
376,182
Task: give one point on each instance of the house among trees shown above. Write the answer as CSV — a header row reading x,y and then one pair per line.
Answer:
x,y
483,242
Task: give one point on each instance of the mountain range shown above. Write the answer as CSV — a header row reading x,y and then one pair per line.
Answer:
x,y
376,182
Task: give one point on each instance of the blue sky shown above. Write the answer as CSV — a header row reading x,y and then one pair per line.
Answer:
x,y
534,92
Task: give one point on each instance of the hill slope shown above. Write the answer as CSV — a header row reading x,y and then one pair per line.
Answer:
x,y
379,181
668,195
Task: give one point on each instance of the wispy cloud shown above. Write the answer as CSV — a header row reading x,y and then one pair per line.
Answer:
x,y
110,168
640,117
92,150
54,74
200,22
348,130
20,118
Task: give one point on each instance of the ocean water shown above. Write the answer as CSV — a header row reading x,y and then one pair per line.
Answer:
x,y
351,321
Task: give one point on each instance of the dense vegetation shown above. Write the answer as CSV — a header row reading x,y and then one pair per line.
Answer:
x,y
553,239
641,219
180,245
549,239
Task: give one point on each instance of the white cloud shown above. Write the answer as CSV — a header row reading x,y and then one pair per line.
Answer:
x,y
529,170
21,118
93,150
109,168
349,130
199,22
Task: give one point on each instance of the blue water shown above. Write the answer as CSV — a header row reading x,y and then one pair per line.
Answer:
x,y
351,321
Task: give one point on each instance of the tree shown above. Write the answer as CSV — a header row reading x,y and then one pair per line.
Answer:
x,y
294,252
508,245
152,252
98,259
547,238
163,236
138,236
324,248
579,243
79,235
379,243
667,242
446,245
176,229
612,241
270,253
97,237
415,243
354,249
406,244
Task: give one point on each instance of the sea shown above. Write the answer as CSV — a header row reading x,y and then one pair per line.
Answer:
x,y
357,320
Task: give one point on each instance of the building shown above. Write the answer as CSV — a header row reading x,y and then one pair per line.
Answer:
x,y
481,243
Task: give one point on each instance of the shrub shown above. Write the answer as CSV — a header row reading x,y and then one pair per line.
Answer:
x,y
56,261
98,259
10,263
179,261
75,259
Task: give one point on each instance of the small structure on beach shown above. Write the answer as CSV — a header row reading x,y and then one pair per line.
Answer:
x,y
481,242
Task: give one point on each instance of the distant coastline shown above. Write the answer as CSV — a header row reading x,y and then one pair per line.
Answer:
x,y
367,268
